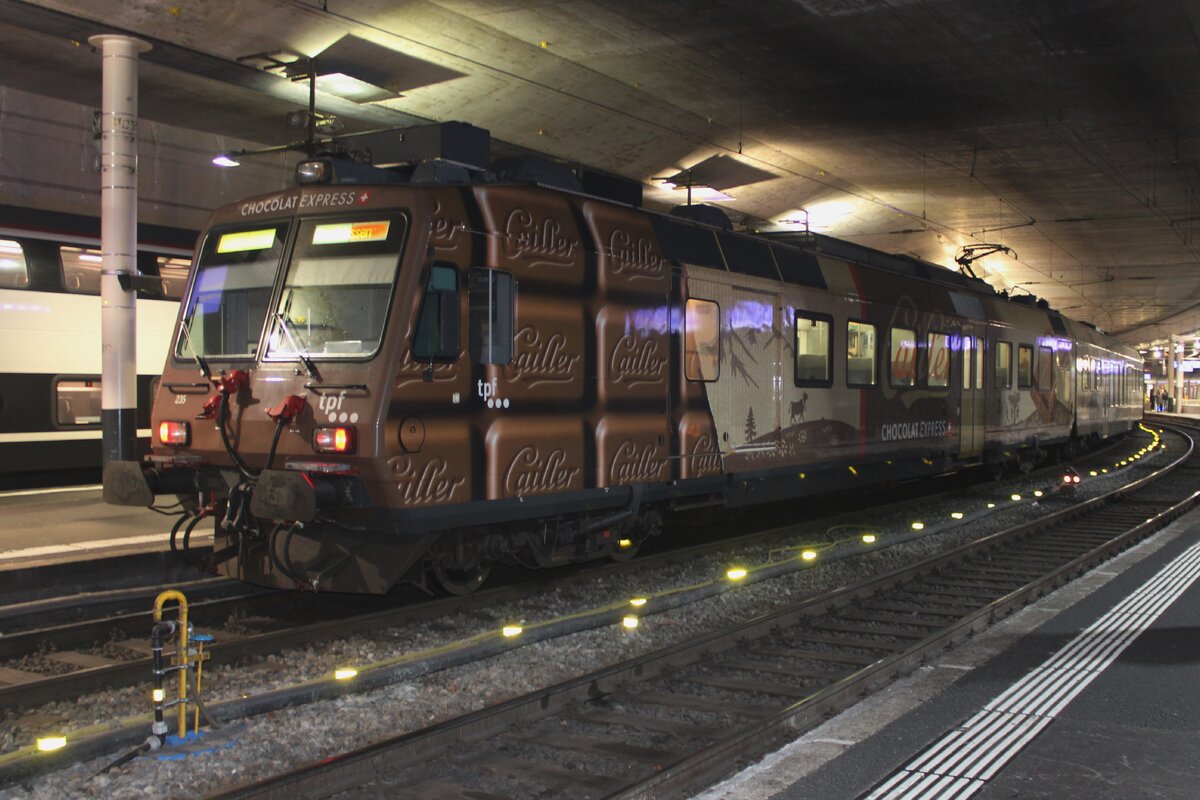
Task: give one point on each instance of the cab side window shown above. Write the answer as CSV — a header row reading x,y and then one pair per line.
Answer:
x,y
437,331
491,306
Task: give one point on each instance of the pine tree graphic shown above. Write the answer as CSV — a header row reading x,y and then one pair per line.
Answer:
x,y
750,431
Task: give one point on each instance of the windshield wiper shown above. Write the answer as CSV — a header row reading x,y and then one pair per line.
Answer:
x,y
200,362
310,369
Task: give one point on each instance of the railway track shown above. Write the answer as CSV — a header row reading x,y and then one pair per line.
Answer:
x,y
674,720
62,660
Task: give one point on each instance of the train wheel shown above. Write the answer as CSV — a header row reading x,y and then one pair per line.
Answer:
x,y
459,582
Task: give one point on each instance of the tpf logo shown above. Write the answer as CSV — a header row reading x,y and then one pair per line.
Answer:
x,y
487,391
331,405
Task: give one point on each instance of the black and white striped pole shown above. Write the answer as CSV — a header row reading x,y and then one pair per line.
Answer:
x,y
118,240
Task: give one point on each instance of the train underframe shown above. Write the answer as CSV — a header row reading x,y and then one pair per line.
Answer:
x,y
362,551
340,543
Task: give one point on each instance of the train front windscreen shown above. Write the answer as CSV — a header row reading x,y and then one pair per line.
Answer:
x,y
334,299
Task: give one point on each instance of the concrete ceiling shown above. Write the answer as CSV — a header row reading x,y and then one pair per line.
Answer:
x,y
1068,131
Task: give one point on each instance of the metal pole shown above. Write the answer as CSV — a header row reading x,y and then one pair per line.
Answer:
x,y
1177,389
1170,366
118,239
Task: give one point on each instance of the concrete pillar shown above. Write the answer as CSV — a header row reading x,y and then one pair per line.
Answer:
x,y
118,240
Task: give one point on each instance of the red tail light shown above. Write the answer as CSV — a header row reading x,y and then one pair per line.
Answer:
x,y
176,434
334,440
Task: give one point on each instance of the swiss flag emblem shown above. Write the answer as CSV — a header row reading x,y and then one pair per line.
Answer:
x,y
364,197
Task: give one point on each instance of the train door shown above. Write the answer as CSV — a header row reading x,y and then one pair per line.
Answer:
x,y
746,396
971,412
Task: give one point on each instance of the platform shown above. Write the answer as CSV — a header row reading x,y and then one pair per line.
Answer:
x,y
40,527
1042,705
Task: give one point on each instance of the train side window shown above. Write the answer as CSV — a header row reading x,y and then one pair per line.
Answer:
x,y
968,346
902,367
172,273
1045,369
80,269
939,359
702,340
437,330
1024,366
814,349
860,354
77,402
14,272
491,322
1003,377
979,363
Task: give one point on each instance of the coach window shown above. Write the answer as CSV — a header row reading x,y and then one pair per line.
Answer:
x,y
172,274
77,402
436,335
491,315
1024,366
702,340
814,350
80,269
1045,369
14,272
939,360
860,354
902,367
1003,378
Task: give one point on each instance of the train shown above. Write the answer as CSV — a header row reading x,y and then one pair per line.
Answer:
x,y
386,377
50,330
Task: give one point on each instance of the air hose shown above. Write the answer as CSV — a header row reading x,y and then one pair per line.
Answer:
x,y
222,415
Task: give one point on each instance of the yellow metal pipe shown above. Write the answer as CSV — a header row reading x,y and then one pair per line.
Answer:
x,y
180,652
